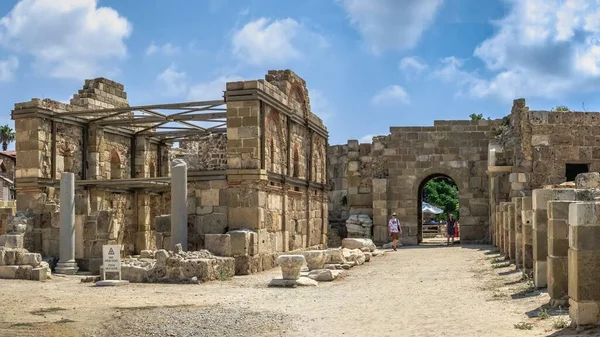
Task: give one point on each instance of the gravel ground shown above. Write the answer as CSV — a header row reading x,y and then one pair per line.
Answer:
x,y
416,291
192,321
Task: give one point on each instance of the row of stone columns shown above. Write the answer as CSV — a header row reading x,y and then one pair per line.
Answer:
x,y
555,235
179,231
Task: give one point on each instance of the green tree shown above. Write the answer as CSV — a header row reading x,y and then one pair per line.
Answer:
x,y
561,108
476,117
443,193
7,136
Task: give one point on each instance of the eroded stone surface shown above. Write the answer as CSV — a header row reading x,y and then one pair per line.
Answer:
x,y
315,259
290,266
356,243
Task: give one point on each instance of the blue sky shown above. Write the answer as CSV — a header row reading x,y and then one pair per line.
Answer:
x,y
369,64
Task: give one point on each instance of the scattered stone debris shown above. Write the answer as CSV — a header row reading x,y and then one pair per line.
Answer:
x,y
177,267
17,262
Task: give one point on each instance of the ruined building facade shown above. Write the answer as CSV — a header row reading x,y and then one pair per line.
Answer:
x,y
265,171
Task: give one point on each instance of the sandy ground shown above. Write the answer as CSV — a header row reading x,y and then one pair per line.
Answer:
x,y
416,291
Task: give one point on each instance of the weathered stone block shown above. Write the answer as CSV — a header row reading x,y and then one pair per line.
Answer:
x,y
162,223
240,242
218,244
11,241
587,180
39,274
584,313
247,264
8,272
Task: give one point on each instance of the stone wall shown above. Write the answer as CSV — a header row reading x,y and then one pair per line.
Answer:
x,y
401,163
267,174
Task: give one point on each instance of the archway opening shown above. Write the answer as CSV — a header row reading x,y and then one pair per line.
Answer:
x,y
437,199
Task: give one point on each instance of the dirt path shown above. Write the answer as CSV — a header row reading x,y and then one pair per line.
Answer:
x,y
416,291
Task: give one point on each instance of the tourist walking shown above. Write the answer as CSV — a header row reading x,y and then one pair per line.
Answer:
x,y
394,230
450,228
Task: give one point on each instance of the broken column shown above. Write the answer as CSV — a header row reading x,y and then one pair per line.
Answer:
x,y
527,234
540,200
66,263
505,228
179,227
558,248
584,263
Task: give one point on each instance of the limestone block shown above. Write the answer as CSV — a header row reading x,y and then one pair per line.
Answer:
x,y
162,223
240,242
24,272
325,275
587,180
247,264
315,259
39,274
357,243
290,266
584,313
31,259
218,244
8,272
11,240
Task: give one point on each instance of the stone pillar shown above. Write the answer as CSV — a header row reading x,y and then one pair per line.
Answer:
x,y
510,216
558,248
518,203
498,227
584,263
179,227
527,235
540,200
144,236
380,211
96,156
505,228
66,263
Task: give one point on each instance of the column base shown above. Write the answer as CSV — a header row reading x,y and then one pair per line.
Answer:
x,y
67,268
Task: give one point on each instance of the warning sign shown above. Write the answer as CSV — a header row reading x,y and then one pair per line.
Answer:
x,y
111,258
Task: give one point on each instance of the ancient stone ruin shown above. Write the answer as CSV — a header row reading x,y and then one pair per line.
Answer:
x,y
255,182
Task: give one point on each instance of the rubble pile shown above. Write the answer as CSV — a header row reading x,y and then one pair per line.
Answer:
x,y
324,265
17,262
164,266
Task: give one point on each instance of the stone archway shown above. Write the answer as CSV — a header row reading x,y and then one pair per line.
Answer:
x,y
420,201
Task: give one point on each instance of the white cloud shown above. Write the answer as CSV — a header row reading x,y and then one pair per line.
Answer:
x,y
266,42
67,38
212,90
320,105
542,48
391,24
411,64
173,82
8,67
166,49
391,94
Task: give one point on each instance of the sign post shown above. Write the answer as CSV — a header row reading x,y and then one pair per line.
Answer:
x,y
111,260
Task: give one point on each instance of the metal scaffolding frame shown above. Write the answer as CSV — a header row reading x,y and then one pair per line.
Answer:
x,y
145,120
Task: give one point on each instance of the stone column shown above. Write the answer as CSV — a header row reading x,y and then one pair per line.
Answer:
x,y
584,262
505,228
540,200
518,202
510,216
527,232
558,248
499,227
66,263
179,227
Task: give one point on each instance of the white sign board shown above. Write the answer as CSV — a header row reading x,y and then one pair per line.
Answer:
x,y
111,258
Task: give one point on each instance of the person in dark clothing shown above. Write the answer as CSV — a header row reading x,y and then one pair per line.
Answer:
x,y
451,228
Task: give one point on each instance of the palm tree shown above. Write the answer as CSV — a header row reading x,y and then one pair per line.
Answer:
x,y
7,136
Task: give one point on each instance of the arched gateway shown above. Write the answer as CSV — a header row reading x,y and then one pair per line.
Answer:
x,y
385,176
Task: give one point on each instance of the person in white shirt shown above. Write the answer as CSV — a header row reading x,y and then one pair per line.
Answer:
x,y
394,230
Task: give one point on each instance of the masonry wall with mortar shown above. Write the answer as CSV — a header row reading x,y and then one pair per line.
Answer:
x,y
50,147
402,162
276,162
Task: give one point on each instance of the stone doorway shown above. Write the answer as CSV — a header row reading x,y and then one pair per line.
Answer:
x,y
438,190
